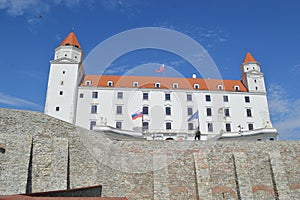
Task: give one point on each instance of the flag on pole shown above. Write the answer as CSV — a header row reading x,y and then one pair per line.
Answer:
x,y
136,115
194,116
161,68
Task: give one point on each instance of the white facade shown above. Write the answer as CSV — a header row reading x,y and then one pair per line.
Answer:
x,y
223,106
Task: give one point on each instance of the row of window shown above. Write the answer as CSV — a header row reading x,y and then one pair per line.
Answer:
x,y
119,111
168,126
157,85
189,97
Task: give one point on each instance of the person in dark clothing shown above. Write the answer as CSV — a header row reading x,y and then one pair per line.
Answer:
x,y
197,134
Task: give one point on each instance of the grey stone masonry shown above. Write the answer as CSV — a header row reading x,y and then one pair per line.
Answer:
x,y
40,153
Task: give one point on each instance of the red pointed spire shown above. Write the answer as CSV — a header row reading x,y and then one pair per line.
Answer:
x,y
71,40
249,58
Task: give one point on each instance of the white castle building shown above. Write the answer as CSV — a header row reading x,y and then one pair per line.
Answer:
x,y
221,109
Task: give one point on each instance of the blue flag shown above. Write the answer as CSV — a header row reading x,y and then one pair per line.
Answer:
x,y
194,116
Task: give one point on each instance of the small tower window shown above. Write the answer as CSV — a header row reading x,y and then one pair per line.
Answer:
x,y
75,57
57,108
63,72
236,88
62,83
255,81
196,86
175,85
65,55
220,87
110,83
61,92
135,84
256,88
157,85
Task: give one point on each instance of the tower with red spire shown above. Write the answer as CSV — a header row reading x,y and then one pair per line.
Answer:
x,y
66,72
252,77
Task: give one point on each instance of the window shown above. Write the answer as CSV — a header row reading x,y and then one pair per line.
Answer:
x,y
75,57
157,85
81,95
63,72
225,98
256,88
118,125
196,86
226,112
92,124
236,88
255,81
119,110
250,127
249,113
110,83
190,111
61,92
65,55
271,139
62,83
88,83
190,126
207,98
145,110
135,84
208,111
168,126
145,96
95,95
120,95
94,109
189,97
210,127
247,99
57,108
145,126
168,110
228,127
220,87
167,97
175,85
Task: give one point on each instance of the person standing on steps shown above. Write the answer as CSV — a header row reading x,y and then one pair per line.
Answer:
x,y
198,134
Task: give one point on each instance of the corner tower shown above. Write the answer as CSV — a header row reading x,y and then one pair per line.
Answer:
x,y
66,72
252,77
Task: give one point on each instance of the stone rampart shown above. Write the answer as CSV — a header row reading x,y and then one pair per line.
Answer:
x,y
40,153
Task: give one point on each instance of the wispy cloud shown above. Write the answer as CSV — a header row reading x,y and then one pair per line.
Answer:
x,y
285,112
9,100
33,7
209,37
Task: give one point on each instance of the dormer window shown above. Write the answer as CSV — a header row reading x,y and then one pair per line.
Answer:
x,y
236,88
196,86
175,85
135,84
220,87
88,82
157,85
110,83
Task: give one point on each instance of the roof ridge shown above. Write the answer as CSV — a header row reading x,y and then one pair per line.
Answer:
x,y
71,40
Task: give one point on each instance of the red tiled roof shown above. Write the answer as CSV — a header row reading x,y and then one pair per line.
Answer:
x,y
71,40
249,58
165,83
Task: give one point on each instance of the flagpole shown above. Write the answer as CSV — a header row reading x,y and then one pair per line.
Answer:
x,y
198,121
142,122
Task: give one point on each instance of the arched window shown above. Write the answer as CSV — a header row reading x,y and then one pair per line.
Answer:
x,y
88,82
110,83
220,87
175,85
196,86
236,88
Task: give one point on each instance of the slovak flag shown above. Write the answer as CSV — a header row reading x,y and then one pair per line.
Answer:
x,y
161,68
137,115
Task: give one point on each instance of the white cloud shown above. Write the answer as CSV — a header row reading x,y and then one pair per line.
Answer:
x,y
285,112
32,7
18,102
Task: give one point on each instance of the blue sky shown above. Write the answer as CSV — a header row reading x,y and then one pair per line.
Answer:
x,y
32,29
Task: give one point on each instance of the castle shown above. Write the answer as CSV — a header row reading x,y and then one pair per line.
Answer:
x,y
173,107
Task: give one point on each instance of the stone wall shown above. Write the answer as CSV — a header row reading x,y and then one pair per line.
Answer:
x,y
44,153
